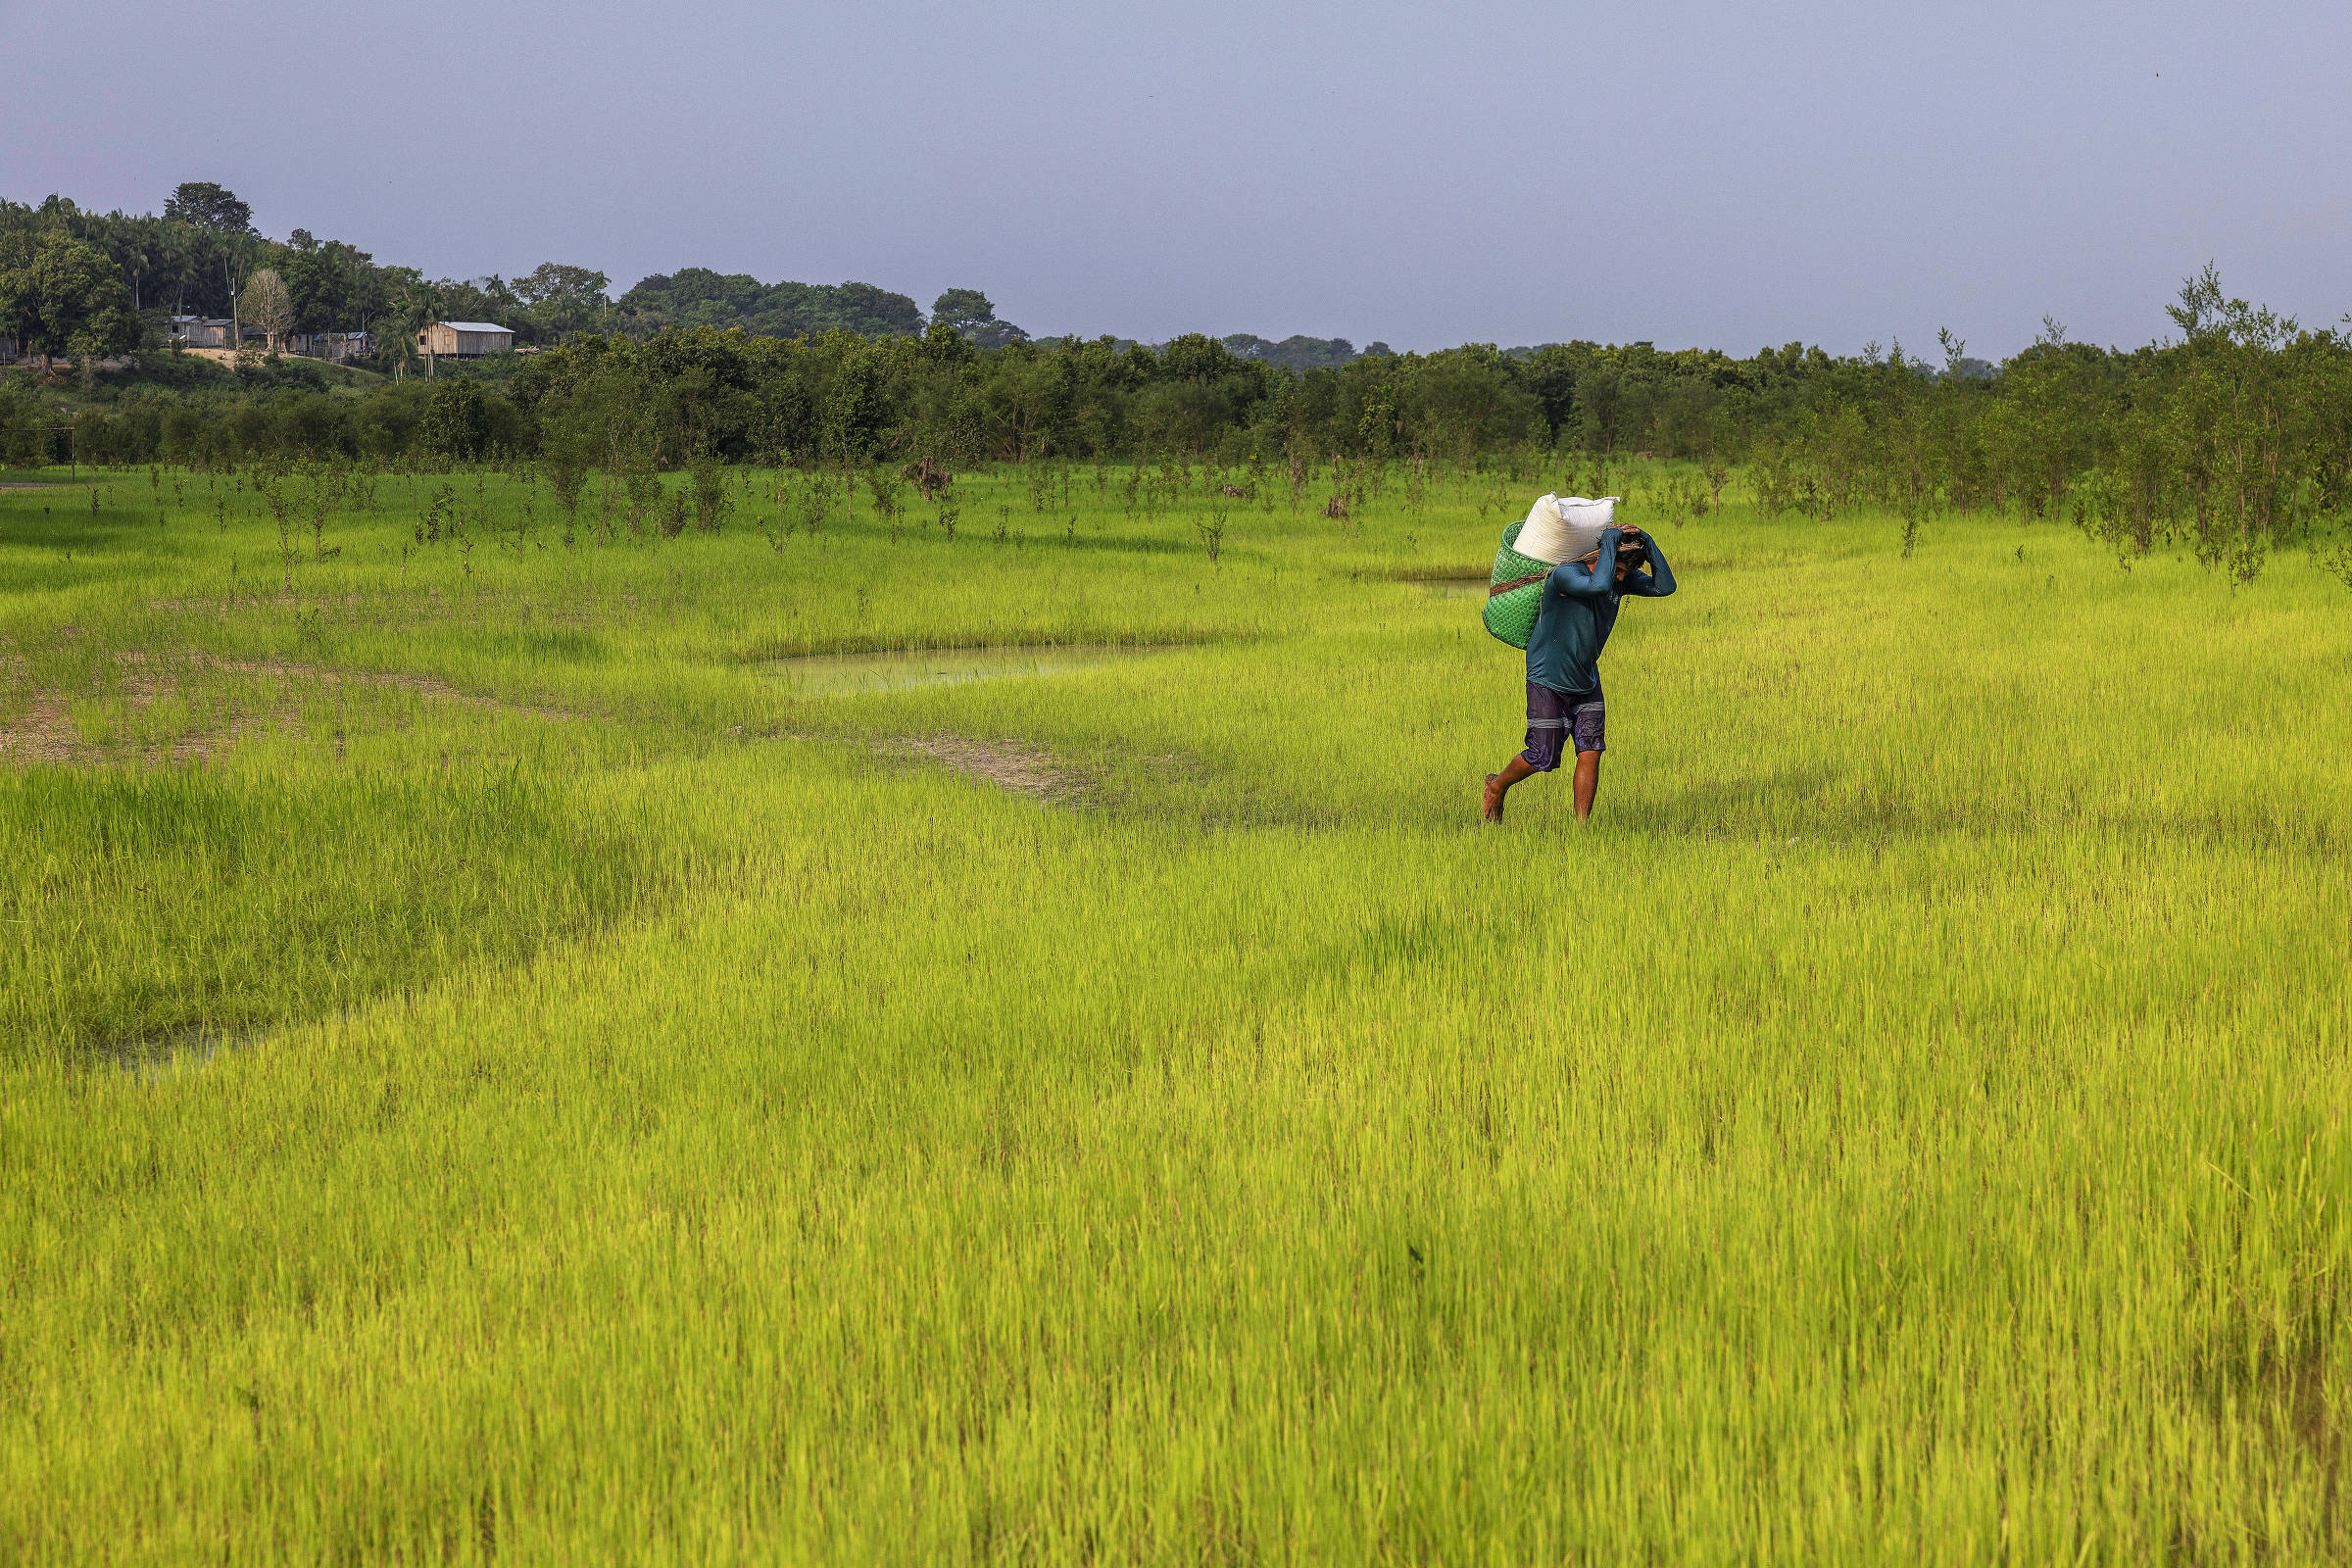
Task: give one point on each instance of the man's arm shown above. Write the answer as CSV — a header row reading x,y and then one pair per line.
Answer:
x,y
1659,581
1585,582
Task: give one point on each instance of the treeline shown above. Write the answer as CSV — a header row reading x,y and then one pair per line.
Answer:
x,y
1299,353
696,296
83,286
2234,432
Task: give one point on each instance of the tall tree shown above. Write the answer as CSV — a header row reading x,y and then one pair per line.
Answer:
x,y
962,309
409,303
62,296
564,299
270,305
150,255
336,287
968,312
479,299
225,224
201,204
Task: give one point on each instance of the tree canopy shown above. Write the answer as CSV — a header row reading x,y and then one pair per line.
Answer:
x,y
201,204
967,313
64,296
696,296
269,305
193,259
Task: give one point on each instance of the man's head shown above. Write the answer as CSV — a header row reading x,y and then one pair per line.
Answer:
x,y
1628,554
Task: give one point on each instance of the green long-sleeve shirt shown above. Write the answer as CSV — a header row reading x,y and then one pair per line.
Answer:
x,y
1580,610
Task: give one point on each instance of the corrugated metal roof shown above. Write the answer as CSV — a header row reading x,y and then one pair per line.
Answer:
x,y
475,326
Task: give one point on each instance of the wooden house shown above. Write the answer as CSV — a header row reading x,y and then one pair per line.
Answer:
x,y
462,339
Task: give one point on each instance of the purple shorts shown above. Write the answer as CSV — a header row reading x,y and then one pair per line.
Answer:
x,y
1554,719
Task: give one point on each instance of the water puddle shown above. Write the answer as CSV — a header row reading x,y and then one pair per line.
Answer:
x,y
170,1054
850,674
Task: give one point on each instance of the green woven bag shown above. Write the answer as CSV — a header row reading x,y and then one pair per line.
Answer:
x,y
1511,613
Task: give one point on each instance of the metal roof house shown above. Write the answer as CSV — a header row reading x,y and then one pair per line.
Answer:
x,y
333,347
462,339
202,331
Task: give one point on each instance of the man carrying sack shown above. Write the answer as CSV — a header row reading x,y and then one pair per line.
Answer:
x,y
1578,610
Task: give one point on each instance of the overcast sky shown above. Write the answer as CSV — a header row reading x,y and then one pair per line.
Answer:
x,y
1727,174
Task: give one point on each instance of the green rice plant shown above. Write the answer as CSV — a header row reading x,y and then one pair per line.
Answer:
x,y
498,1058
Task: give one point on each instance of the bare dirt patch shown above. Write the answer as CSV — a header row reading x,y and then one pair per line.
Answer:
x,y
1009,765
45,731
426,686
40,734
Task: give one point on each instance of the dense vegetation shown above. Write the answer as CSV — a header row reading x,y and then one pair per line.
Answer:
x,y
83,285
2235,433
80,285
493,1068
696,296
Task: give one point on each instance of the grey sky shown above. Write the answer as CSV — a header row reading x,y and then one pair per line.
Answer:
x,y
1717,175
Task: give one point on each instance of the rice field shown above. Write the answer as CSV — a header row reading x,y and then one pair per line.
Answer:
x,y
868,1045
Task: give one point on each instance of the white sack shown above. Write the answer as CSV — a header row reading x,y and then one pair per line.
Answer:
x,y
1564,527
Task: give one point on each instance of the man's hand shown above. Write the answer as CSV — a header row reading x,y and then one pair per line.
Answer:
x,y
1632,551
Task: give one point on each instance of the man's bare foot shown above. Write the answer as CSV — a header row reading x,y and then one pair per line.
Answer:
x,y
1494,797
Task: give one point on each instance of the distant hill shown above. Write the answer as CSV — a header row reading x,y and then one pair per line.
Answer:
x,y
696,296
